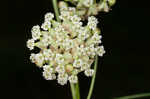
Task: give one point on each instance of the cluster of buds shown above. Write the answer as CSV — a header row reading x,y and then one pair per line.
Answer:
x,y
86,8
67,47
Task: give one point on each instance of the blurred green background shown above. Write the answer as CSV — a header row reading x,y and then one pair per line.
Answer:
x,y
124,70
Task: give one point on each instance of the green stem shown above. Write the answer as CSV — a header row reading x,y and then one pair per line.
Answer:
x,y
93,79
55,5
77,91
134,96
73,90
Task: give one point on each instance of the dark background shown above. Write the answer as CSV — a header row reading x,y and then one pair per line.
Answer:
x,y
124,70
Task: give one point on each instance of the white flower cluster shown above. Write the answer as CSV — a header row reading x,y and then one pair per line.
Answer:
x,y
67,47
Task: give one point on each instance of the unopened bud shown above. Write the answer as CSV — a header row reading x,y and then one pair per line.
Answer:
x,y
62,4
69,68
111,2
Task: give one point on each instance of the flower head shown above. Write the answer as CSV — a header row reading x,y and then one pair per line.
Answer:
x,y
67,47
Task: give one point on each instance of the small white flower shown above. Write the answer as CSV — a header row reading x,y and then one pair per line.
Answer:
x,y
59,29
89,72
62,79
73,79
48,68
46,39
75,19
68,43
49,76
60,69
36,33
92,22
84,66
64,15
59,58
77,63
83,34
39,59
96,38
45,42
100,50
81,50
30,44
48,54
91,50
49,16
32,58
48,72
71,9
46,25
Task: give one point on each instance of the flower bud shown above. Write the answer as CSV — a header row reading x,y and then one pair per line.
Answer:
x,y
111,2
69,68
62,4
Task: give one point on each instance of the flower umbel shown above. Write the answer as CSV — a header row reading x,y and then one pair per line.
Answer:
x,y
67,47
